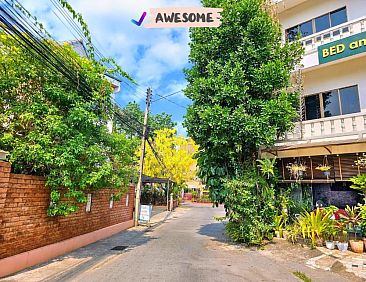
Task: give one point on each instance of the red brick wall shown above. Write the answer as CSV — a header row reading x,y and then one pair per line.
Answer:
x,y
24,224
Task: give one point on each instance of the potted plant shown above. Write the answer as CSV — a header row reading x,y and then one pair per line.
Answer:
x,y
279,221
342,243
314,225
352,219
329,237
331,232
325,169
296,169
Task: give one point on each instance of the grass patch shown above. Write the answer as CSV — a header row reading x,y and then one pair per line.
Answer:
x,y
302,276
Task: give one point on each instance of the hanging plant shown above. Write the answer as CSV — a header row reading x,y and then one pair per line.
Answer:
x,y
296,169
324,167
361,161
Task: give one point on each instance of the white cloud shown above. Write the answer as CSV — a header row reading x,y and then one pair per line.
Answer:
x,y
147,54
176,86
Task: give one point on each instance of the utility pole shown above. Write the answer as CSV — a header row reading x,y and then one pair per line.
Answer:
x,y
143,145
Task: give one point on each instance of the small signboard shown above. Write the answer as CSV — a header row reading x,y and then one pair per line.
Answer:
x,y
342,48
145,213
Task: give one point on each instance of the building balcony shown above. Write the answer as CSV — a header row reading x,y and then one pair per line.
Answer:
x,y
342,129
312,42
283,5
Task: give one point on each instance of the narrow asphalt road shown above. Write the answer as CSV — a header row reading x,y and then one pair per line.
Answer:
x,y
189,246
192,246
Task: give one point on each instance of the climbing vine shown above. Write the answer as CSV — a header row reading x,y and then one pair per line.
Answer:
x,y
55,126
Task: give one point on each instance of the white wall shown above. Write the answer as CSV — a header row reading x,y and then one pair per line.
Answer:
x,y
338,75
314,8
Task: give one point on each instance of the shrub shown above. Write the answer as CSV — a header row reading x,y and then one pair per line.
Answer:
x,y
249,202
315,225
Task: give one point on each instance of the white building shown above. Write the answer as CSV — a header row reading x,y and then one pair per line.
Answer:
x,y
333,127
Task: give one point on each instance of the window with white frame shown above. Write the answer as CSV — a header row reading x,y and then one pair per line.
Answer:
x,y
317,24
336,102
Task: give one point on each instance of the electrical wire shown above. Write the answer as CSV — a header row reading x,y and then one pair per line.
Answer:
x,y
163,97
15,23
169,95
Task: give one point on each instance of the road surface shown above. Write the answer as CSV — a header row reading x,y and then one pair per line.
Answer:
x,y
189,246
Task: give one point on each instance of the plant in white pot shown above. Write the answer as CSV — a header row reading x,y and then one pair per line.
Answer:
x,y
341,227
330,232
329,238
352,218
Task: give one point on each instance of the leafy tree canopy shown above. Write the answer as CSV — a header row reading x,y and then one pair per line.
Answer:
x,y
51,129
135,116
176,152
239,84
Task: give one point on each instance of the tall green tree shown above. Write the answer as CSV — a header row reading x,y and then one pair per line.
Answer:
x,y
135,117
239,83
54,128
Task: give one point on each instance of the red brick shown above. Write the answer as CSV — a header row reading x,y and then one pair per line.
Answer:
x,y
25,224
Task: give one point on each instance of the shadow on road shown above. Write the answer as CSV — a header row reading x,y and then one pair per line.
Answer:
x,y
216,231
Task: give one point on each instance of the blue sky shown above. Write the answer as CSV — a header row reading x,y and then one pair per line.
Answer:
x,y
154,57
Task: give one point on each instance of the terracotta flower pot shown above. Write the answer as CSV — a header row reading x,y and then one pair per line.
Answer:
x,y
364,242
356,246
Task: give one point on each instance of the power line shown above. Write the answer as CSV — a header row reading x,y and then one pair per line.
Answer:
x,y
32,38
169,95
163,97
160,161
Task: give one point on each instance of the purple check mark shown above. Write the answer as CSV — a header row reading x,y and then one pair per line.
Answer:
x,y
138,23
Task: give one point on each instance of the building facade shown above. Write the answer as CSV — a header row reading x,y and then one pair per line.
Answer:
x,y
320,152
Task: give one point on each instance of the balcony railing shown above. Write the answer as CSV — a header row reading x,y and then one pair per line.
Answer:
x,y
311,42
347,127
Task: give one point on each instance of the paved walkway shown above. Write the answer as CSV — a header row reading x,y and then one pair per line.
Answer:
x,y
354,263
189,246
91,256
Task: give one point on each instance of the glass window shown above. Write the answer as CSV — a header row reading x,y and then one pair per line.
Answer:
x,y
306,28
331,104
349,100
338,17
292,33
312,107
322,23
